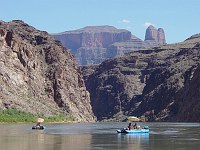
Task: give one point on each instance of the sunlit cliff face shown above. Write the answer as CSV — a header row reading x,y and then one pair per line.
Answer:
x,y
38,75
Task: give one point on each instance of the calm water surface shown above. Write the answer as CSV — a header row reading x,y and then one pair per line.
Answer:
x,y
100,136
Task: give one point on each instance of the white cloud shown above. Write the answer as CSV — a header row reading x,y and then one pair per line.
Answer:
x,y
147,24
126,21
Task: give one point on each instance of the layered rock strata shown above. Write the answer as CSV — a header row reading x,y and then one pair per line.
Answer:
x,y
92,37
94,44
89,44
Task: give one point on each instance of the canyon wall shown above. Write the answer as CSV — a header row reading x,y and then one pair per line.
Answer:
x,y
38,75
159,84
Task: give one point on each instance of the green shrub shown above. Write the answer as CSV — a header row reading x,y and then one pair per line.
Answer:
x,y
16,116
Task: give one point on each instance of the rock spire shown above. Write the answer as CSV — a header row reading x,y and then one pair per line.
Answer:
x,y
157,35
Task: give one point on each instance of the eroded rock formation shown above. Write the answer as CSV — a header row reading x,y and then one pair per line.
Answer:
x,y
155,35
38,75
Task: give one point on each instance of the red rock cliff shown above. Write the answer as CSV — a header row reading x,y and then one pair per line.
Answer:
x,y
95,36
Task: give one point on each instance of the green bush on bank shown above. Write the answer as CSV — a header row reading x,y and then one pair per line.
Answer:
x,y
16,116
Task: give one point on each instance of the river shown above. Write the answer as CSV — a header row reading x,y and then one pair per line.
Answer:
x,y
99,136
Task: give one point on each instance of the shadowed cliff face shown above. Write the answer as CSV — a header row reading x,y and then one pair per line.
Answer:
x,y
150,84
38,75
189,98
112,87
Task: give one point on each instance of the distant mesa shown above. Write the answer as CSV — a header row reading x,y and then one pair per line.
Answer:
x,y
92,37
94,44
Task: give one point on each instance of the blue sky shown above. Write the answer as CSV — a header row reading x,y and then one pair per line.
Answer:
x,y
179,18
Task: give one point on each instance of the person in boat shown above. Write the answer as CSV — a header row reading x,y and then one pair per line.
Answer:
x,y
129,126
38,124
39,121
135,126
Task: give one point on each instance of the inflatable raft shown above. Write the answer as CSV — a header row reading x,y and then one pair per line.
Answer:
x,y
38,127
135,131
